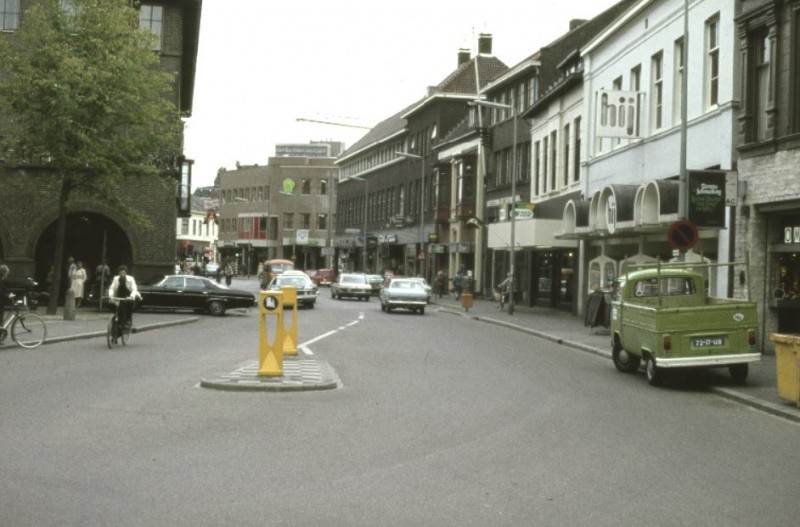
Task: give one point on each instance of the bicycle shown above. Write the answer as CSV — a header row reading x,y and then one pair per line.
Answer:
x,y
26,328
118,334
500,298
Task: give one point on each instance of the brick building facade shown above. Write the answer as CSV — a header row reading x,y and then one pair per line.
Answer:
x,y
30,199
768,218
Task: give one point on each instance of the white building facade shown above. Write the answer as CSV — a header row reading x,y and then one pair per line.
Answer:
x,y
632,131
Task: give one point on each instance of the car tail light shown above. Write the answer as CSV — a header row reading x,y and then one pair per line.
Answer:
x,y
751,338
667,344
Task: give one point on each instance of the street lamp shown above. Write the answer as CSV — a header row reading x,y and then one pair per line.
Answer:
x,y
421,207
366,198
512,257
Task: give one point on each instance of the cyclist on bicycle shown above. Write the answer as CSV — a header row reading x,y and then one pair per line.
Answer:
x,y
124,286
504,288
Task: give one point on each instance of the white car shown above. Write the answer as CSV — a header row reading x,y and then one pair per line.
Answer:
x,y
404,293
307,291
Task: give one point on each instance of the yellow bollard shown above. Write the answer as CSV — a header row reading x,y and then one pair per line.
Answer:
x,y
270,360
290,334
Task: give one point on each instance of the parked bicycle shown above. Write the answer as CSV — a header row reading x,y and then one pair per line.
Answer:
x,y
26,328
119,331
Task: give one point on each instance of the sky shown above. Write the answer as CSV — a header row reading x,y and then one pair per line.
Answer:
x,y
264,64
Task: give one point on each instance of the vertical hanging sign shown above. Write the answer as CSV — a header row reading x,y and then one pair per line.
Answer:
x,y
706,206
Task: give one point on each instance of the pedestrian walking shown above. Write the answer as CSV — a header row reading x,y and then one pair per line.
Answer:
x,y
441,283
458,283
78,279
228,274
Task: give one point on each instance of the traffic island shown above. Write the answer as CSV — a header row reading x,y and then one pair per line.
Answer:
x,y
300,373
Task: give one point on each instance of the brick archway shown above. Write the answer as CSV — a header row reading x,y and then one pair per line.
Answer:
x,y
89,234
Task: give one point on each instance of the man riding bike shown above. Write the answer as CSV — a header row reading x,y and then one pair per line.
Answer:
x,y
124,286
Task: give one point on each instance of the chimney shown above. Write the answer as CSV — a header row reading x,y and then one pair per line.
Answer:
x,y
485,44
463,56
576,23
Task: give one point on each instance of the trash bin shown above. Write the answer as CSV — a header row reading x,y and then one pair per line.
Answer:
x,y
787,361
466,301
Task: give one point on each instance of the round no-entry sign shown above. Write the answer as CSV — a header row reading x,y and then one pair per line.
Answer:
x,y
683,235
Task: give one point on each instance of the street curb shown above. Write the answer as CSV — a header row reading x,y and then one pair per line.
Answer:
x,y
727,393
754,402
300,374
136,329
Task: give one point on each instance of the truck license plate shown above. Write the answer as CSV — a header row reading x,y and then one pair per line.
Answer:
x,y
708,342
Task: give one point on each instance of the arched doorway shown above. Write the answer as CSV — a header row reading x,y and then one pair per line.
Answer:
x,y
89,237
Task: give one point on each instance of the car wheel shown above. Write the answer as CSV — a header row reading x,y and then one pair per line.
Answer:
x,y
388,309
333,294
383,307
366,299
624,361
653,372
216,308
739,373
422,311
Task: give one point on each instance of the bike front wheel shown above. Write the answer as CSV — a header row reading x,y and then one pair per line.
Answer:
x,y
29,330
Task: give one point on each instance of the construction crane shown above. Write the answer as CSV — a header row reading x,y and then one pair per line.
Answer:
x,y
333,123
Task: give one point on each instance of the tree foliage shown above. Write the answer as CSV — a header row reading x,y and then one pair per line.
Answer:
x,y
85,95
82,94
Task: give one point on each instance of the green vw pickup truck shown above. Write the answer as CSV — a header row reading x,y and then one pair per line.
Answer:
x,y
664,317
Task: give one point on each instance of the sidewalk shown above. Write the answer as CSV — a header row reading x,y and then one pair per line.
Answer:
x,y
760,391
91,323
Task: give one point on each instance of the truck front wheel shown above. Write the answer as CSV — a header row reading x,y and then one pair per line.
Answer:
x,y
624,361
739,373
653,372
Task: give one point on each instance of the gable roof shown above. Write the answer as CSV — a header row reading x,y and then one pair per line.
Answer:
x,y
459,83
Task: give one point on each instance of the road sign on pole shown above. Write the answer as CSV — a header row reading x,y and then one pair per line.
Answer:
x,y
683,235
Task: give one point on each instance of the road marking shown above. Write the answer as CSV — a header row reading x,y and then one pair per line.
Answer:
x,y
304,346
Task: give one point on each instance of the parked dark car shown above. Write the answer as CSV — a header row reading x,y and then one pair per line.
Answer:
x,y
26,289
194,293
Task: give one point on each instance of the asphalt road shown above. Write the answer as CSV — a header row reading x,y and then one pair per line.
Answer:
x,y
440,420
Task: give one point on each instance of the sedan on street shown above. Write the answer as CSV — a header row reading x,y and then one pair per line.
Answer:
x,y
375,281
404,293
306,289
353,285
194,293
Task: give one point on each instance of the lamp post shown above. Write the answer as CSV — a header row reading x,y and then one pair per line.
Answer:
x,y
512,256
421,208
366,199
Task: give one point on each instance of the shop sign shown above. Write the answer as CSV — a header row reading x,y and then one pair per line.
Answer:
x,y
302,236
436,248
791,234
707,189
617,114
433,237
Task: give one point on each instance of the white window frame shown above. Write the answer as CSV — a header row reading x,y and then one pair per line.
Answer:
x,y
677,85
711,66
657,92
